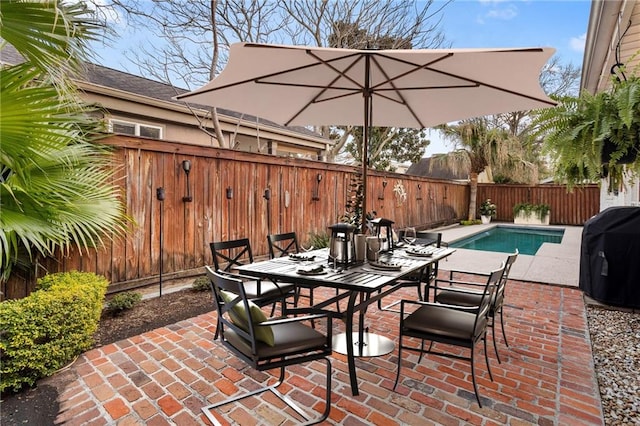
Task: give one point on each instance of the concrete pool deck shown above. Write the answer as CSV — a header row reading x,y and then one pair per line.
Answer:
x,y
552,264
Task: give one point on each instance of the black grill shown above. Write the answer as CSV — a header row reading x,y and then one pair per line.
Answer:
x,y
610,257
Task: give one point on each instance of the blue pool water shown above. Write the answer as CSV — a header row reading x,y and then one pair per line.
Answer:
x,y
506,239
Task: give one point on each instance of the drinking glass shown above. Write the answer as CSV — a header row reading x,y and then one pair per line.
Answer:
x,y
409,235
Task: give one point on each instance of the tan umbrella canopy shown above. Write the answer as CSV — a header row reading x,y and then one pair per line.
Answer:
x,y
297,85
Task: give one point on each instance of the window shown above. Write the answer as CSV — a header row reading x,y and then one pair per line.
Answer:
x,y
135,129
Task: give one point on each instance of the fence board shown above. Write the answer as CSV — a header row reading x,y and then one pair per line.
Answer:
x,y
567,208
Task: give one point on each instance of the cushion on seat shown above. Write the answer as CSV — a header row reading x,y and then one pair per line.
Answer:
x,y
240,318
288,337
442,321
267,288
459,298
462,298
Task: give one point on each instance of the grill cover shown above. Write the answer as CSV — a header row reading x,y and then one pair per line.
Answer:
x,y
610,257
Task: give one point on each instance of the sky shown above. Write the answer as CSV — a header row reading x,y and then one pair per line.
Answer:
x,y
495,23
561,24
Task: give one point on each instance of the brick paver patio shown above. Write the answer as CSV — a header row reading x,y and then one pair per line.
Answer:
x,y
165,376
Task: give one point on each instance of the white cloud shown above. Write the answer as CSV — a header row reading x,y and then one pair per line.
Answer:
x,y
577,43
504,14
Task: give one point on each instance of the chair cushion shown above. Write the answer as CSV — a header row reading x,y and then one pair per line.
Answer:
x,y
459,298
267,289
442,322
289,338
241,319
463,299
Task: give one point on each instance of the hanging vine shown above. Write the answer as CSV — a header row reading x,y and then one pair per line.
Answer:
x,y
355,197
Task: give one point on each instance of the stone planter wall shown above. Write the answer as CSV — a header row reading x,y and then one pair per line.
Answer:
x,y
530,219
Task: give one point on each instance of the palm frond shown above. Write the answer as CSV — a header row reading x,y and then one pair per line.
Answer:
x,y
53,36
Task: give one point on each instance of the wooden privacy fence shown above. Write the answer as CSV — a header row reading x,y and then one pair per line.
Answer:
x,y
230,200
567,208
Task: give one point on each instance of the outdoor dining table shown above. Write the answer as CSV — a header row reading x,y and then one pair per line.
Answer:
x,y
362,284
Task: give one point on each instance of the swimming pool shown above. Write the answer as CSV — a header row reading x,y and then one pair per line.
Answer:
x,y
506,239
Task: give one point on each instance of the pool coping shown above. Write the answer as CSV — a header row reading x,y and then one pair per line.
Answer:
x,y
553,263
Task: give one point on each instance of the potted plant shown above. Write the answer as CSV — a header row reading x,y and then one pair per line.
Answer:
x,y
487,211
531,214
595,136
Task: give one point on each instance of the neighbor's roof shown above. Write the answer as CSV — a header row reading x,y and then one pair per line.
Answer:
x,y
115,79
425,168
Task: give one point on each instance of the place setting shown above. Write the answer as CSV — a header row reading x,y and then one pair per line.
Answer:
x,y
311,270
301,257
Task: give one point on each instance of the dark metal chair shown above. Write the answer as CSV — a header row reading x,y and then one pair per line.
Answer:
x,y
448,324
228,255
282,245
422,281
266,344
429,238
460,291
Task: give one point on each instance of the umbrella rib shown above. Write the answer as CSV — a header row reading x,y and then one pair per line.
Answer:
x,y
259,79
402,99
492,86
329,86
427,66
416,67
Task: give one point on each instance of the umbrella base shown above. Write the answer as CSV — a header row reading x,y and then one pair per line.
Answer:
x,y
371,345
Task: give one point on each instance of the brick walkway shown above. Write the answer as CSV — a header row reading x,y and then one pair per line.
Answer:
x,y
163,377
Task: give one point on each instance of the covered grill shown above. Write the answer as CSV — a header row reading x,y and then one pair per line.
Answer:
x,y
610,257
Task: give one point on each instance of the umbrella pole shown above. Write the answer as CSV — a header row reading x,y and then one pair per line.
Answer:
x,y
365,140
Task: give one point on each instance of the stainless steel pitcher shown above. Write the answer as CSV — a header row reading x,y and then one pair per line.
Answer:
x,y
342,244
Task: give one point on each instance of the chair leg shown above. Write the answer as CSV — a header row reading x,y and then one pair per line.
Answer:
x,y
207,410
486,357
399,363
502,326
493,337
217,333
313,324
422,351
473,378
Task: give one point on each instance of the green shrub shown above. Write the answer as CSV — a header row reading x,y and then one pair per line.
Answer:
x,y
44,331
123,301
201,284
318,241
528,209
470,222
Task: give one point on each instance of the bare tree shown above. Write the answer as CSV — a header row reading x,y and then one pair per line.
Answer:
x,y
194,36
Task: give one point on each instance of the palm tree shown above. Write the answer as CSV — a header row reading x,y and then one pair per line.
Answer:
x,y
56,184
474,141
484,145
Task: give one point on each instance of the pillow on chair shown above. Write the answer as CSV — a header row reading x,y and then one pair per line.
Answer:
x,y
239,316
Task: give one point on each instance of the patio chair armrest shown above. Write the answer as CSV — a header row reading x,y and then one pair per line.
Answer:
x,y
472,273
452,282
307,311
470,309
462,290
275,321
240,276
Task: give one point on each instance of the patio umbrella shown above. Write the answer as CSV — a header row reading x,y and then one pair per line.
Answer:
x,y
297,85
